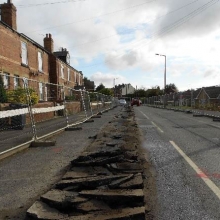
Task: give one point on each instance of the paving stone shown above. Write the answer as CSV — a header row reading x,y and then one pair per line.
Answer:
x,y
42,211
62,200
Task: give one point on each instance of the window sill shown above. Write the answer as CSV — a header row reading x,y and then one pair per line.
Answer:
x,y
24,65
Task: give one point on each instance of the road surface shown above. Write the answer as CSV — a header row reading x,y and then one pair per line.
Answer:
x,y
185,153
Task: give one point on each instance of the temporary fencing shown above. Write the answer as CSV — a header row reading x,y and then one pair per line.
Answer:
x,y
31,110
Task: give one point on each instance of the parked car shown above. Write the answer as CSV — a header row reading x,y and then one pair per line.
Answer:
x,y
135,101
122,102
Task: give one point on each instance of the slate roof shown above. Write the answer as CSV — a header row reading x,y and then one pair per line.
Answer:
x,y
213,91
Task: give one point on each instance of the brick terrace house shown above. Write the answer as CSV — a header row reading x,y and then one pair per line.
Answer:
x,y
21,57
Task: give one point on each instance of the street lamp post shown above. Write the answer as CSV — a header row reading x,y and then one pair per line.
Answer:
x,y
165,67
114,86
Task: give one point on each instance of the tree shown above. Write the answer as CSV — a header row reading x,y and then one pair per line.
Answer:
x,y
106,91
3,95
89,85
100,87
140,93
170,88
154,91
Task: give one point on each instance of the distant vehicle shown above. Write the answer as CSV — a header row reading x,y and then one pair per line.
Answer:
x,y
135,101
122,102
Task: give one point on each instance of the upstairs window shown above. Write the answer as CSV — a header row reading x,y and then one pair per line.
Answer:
x,y
62,72
40,61
24,58
75,77
79,80
68,74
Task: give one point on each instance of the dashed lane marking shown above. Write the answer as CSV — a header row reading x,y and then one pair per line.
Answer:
x,y
144,114
199,172
151,121
157,127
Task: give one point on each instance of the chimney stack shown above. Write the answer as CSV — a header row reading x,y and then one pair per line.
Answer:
x,y
8,14
48,43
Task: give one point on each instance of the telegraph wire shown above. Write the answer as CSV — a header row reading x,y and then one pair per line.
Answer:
x,y
120,10
135,28
166,29
49,3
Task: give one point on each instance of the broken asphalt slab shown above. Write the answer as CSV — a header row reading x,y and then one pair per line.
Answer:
x,y
104,182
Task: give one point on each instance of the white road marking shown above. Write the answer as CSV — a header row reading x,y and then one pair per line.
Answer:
x,y
157,127
144,114
203,176
151,122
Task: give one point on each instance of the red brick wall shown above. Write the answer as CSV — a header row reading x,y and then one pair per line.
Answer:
x,y
43,116
10,56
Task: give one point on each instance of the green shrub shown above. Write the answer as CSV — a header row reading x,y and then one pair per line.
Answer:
x,y
19,95
3,95
70,98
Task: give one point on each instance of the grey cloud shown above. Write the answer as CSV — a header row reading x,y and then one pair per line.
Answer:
x,y
204,22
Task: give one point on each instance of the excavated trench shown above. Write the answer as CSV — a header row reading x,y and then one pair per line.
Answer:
x,y
110,180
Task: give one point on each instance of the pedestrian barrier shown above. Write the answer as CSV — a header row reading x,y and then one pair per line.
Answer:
x,y
32,110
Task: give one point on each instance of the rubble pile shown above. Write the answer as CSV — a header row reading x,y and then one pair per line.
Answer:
x,y
105,182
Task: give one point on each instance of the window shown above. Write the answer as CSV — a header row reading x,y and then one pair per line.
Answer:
x,y
75,77
41,97
24,58
40,61
6,80
68,74
16,81
62,72
79,79
45,89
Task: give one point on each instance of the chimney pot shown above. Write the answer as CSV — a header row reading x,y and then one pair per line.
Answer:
x,y
48,43
8,14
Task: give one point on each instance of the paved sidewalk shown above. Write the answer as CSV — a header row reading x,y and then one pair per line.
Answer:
x,y
32,172
11,138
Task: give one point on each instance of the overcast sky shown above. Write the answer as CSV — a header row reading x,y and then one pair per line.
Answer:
x,y
118,39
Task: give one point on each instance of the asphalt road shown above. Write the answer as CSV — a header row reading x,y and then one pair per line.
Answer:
x,y
185,153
